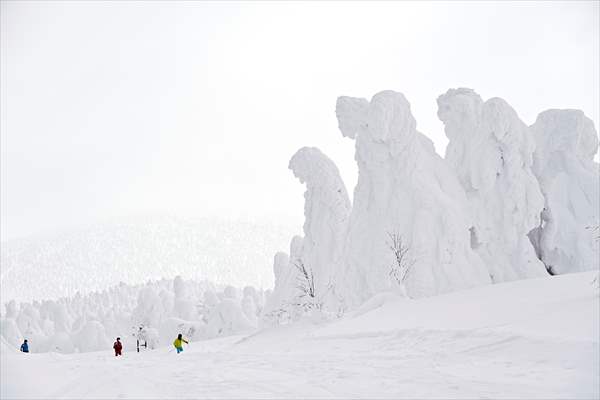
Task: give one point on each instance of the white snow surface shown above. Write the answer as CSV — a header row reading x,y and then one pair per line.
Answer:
x,y
536,338
491,151
568,237
403,188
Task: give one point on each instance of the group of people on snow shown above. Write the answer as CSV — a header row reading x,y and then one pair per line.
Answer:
x,y
178,343
118,346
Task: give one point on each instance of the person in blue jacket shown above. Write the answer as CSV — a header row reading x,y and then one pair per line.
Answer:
x,y
25,347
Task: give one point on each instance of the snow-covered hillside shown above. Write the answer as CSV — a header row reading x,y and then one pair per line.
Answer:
x,y
134,250
536,338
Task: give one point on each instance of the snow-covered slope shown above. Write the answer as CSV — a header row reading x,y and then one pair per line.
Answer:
x,y
536,338
134,250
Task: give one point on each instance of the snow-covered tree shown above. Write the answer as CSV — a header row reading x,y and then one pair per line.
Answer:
x,y
491,149
569,179
403,186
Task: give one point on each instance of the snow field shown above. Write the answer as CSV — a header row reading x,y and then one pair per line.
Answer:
x,y
528,339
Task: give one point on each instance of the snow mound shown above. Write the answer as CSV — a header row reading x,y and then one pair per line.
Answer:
x,y
568,236
491,149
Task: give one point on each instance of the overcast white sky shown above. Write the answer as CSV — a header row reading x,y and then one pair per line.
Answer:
x,y
194,108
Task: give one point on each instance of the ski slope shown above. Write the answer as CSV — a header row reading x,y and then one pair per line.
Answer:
x,y
536,338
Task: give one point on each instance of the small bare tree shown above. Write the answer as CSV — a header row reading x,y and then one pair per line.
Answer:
x,y
401,267
307,298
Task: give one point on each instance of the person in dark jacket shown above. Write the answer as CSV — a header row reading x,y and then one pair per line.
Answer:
x,y
118,347
25,347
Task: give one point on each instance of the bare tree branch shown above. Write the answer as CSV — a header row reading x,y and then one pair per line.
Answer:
x,y
403,263
306,285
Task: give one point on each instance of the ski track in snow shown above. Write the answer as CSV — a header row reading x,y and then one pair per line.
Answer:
x,y
535,353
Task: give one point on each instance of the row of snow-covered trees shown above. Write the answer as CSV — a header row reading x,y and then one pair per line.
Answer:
x,y
162,309
508,201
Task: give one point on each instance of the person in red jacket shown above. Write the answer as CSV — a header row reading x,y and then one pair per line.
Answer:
x,y
118,347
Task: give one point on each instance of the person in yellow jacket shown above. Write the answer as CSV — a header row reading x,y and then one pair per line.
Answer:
x,y
178,343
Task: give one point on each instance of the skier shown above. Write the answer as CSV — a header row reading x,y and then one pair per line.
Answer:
x,y
118,347
178,343
25,347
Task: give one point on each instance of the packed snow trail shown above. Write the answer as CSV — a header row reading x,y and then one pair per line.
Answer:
x,y
537,338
